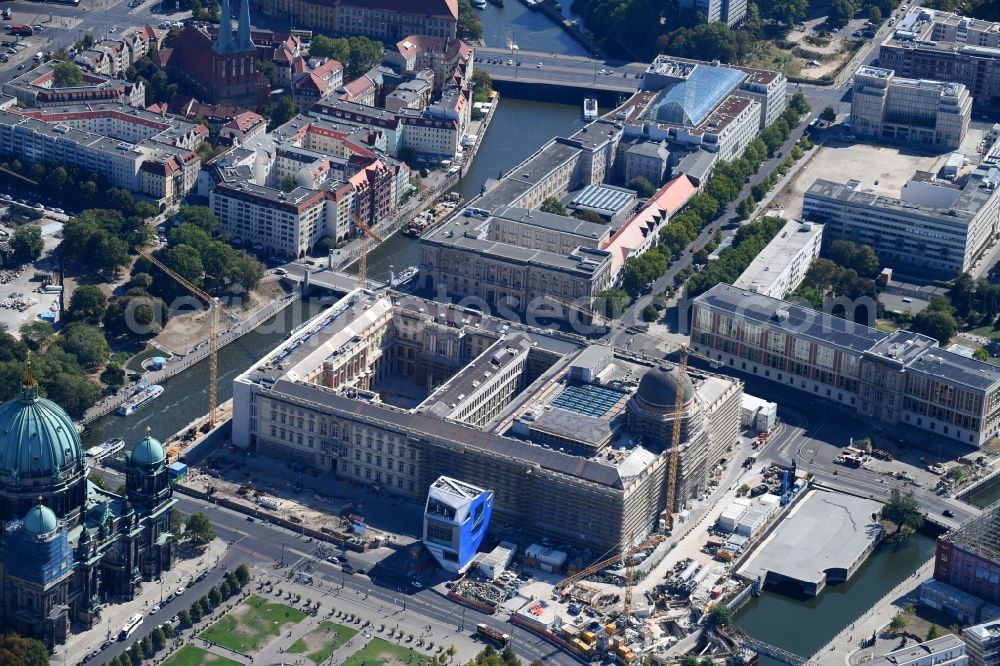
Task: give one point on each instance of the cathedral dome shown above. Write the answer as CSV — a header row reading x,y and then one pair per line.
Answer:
x,y
658,388
37,438
40,520
148,452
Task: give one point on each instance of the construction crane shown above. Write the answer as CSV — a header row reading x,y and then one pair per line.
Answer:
x,y
366,231
213,336
627,557
675,435
594,315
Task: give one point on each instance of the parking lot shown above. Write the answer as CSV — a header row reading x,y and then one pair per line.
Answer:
x,y
21,297
884,168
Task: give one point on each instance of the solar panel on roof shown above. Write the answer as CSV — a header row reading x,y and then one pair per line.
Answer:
x,y
588,399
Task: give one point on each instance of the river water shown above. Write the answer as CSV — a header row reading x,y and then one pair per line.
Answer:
x,y
804,626
519,128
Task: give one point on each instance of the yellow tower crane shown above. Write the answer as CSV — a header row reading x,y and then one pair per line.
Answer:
x,y
213,336
626,555
366,231
675,435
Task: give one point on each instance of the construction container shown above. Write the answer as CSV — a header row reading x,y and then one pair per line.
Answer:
x,y
610,629
588,637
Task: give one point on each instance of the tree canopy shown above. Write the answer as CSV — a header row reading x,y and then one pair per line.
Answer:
x,y
17,650
27,243
88,304
554,206
198,529
66,74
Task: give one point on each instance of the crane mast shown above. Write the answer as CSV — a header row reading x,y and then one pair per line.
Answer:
x,y
213,336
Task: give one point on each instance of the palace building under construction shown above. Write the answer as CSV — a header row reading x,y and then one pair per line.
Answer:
x,y
395,392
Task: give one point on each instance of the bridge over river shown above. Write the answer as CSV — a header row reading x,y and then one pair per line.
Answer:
x,y
560,70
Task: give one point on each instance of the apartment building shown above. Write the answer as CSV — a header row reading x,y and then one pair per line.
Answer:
x,y
286,224
899,378
113,57
937,227
916,112
384,20
941,46
114,141
37,89
449,59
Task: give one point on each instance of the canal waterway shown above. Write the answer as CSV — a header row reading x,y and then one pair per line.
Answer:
x,y
185,395
519,128
804,626
986,495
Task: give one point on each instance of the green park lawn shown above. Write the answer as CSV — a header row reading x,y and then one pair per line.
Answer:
x,y
379,651
252,625
189,655
323,641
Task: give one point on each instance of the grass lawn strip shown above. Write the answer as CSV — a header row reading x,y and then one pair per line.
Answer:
x,y
379,651
190,655
252,625
323,641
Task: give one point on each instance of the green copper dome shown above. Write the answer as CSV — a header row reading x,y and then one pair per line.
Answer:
x,y
40,520
37,438
148,451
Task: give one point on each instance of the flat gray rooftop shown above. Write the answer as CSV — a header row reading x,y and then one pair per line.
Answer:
x,y
826,532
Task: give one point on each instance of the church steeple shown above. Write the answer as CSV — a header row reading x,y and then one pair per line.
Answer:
x,y
224,42
243,40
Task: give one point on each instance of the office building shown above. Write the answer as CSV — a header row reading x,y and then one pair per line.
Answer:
x,y
68,547
516,257
395,392
982,643
781,266
384,20
647,159
947,650
928,114
899,378
935,227
941,46
691,104
967,557
729,12
456,518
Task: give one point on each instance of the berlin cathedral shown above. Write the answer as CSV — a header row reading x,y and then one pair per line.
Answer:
x,y
67,547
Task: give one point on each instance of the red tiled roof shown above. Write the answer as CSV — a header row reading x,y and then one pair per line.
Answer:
x,y
632,235
245,121
424,7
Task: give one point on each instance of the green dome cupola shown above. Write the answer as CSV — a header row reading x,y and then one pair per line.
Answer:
x,y
40,520
38,440
148,451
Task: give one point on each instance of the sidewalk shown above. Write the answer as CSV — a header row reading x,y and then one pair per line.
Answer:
x,y
845,644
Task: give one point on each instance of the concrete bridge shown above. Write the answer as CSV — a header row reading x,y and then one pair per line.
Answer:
x,y
339,282
560,70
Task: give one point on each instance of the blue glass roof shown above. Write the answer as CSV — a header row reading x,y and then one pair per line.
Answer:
x,y
689,102
588,399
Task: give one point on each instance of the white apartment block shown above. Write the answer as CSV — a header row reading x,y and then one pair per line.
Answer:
x,y
936,227
983,644
899,378
930,114
135,150
781,266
